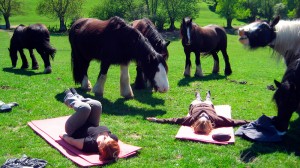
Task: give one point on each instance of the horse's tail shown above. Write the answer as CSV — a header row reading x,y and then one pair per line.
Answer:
x,y
78,65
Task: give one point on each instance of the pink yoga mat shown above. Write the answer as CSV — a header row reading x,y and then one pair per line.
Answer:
x,y
186,133
50,129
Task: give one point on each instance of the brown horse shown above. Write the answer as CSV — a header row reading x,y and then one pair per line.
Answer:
x,y
147,28
206,40
31,37
114,42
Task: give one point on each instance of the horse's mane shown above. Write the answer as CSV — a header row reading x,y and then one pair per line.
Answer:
x,y
154,35
287,41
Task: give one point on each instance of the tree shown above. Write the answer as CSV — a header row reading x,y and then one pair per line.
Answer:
x,y
178,9
61,9
8,8
231,9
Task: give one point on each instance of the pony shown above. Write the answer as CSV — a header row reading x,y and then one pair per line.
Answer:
x,y
35,36
287,96
148,29
114,42
206,40
283,37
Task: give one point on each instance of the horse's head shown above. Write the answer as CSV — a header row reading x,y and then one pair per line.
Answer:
x,y
153,64
185,30
258,33
13,56
287,95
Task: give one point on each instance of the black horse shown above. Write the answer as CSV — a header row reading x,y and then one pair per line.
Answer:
x,y
114,42
287,96
206,40
35,36
147,28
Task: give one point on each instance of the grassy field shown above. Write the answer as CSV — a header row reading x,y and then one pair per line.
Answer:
x,y
40,97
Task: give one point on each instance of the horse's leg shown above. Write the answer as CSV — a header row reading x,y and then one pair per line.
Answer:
x,y
198,72
139,80
188,64
35,64
98,89
24,60
125,87
228,70
216,67
46,60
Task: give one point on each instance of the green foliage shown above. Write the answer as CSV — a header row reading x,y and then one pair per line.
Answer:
x,y
61,10
280,10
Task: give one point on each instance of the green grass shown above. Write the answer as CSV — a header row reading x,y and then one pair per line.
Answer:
x,y
40,97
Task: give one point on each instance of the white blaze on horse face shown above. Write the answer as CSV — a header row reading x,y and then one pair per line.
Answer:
x,y
161,79
86,84
188,33
125,87
99,86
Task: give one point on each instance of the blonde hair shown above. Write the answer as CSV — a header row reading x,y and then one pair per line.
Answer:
x,y
202,126
109,150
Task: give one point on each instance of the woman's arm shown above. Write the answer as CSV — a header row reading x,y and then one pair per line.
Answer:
x,y
168,120
78,143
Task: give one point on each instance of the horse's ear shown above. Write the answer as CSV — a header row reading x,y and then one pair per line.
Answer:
x,y
183,20
167,43
277,84
191,20
275,21
8,49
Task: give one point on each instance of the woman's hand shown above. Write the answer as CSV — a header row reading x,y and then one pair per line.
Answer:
x,y
153,119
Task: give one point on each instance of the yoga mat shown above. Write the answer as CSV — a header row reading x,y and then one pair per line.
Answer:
x,y
187,133
50,129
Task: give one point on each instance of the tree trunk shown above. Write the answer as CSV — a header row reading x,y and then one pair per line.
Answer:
x,y
172,24
7,23
229,21
62,25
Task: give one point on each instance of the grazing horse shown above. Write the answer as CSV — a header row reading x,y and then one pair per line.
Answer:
x,y
206,40
287,96
114,42
147,28
284,38
35,36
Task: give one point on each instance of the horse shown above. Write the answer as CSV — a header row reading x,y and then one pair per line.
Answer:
x,y
148,29
114,42
287,96
206,40
31,37
282,36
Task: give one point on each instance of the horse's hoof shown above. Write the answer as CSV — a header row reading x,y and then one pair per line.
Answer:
x,y
35,67
228,72
99,95
186,75
129,97
198,74
24,66
48,70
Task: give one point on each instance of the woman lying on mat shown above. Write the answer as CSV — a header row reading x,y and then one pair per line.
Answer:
x,y
83,130
202,117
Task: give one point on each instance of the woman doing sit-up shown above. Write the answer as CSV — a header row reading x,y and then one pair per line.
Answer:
x,y
202,117
83,130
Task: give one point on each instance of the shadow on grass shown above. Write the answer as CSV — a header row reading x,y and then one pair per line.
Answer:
x,y
22,71
187,80
120,108
289,145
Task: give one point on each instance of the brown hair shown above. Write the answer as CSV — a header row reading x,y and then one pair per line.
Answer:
x,y
202,126
109,150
